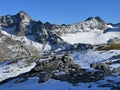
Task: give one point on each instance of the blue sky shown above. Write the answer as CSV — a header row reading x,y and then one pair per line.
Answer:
x,y
63,11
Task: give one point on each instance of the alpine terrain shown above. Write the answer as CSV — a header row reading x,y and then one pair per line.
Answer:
x,y
44,56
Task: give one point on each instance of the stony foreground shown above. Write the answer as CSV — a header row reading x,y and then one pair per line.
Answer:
x,y
64,68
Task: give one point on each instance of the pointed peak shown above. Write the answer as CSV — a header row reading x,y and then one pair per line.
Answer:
x,y
96,18
89,18
99,19
23,14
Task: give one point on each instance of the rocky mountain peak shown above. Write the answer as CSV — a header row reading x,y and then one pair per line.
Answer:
x,y
97,18
100,20
8,21
23,15
89,18
93,23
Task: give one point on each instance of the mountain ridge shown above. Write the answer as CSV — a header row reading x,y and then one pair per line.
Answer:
x,y
23,26
36,36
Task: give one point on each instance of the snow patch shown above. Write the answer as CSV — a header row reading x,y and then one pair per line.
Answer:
x,y
14,69
85,58
32,84
90,37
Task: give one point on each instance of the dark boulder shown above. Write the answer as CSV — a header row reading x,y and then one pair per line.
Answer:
x,y
101,66
82,75
45,76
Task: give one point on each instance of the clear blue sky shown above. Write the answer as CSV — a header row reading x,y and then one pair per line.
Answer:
x,y
63,11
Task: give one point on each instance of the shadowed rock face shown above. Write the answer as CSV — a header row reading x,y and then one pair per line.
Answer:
x,y
102,66
13,49
25,26
96,18
9,21
100,20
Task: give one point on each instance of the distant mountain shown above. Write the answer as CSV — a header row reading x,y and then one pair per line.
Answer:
x,y
23,25
21,34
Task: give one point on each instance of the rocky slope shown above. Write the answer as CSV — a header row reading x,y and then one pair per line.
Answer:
x,y
23,25
12,47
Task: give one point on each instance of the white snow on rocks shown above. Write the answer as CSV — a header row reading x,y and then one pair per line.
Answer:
x,y
14,69
27,41
115,65
85,58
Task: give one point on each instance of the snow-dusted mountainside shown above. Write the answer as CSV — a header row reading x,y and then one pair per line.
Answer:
x,y
91,31
91,24
78,56
94,32
22,25
12,47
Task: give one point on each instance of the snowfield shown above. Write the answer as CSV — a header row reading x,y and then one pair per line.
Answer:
x,y
14,69
90,37
32,84
85,58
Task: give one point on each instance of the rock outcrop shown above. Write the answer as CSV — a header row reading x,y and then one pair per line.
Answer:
x,y
102,66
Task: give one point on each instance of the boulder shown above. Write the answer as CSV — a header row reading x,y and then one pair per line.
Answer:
x,y
51,65
75,67
67,59
45,76
82,75
101,66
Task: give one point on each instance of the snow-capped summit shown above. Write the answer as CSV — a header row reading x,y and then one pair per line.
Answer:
x,y
97,19
93,24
